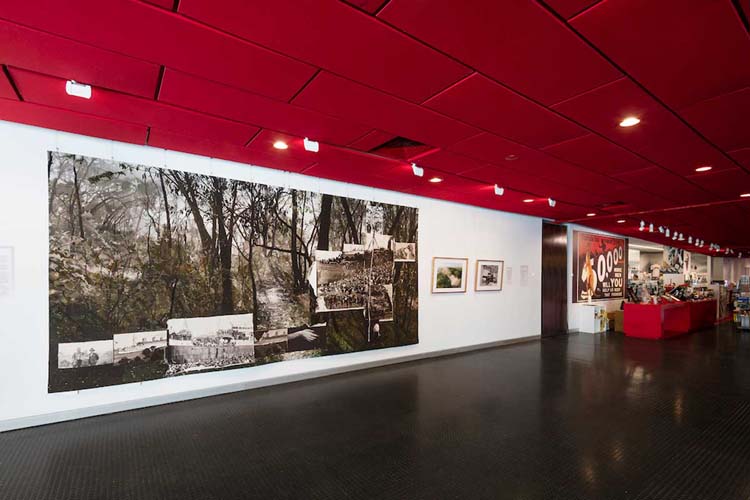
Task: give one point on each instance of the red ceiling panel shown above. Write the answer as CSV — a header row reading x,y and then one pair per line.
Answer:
x,y
445,161
163,37
603,108
209,97
31,49
69,121
200,146
724,119
50,91
661,137
684,52
328,93
336,37
681,150
483,103
493,149
371,139
742,156
166,4
519,44
727,184
370,6
662,183
569,8
597,154
6,89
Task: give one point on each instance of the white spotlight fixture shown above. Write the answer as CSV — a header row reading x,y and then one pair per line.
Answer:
x,y
630,121
661,229
499,190
682,237
76,89
690,240
418,171
666,233
650,228
551,202
280,145
643,226
313,146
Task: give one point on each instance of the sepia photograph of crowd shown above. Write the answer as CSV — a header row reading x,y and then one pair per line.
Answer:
x,y
155,272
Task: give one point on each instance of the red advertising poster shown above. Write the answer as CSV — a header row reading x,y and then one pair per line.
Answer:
x,y
599,267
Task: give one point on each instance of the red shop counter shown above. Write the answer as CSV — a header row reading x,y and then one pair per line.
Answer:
x,y
668,319
702,313
656,321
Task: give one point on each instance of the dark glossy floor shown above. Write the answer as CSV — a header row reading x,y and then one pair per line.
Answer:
x,y
573,417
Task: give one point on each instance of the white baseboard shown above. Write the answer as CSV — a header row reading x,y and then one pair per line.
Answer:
x,y
91,411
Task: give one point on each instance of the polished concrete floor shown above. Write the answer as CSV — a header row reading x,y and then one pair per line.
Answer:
x,y
582,416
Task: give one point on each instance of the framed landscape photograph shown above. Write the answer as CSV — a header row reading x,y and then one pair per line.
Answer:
x,y
449,274
489,276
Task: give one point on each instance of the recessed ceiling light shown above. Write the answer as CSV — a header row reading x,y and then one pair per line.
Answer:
x,y
621,221
511,157
76,89
630,121
435,180
704,169
280,145
745,195
590,214
528,200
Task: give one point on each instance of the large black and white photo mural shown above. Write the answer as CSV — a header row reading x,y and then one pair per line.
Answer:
x,y
156,272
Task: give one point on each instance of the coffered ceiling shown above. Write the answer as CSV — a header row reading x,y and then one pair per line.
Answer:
x,y
526,95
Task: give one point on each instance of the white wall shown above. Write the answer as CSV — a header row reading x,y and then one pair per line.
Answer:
x,y
446,321
609,305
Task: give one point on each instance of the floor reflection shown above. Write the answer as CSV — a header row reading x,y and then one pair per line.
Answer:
x,y
579,416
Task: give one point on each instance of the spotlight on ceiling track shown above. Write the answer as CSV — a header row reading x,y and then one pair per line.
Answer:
x,y
418,171
682,237
661,229
630,121
280,145
690,240
551,202
642,226
76,89
666,233
499,190
650,228
313,146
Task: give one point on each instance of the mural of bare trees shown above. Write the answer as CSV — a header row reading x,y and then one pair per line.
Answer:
x,y
135,248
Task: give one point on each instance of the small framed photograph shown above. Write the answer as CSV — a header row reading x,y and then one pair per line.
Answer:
x,y
449,274
489,276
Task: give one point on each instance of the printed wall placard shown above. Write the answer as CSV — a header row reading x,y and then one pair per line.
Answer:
x,y
599,266
156,272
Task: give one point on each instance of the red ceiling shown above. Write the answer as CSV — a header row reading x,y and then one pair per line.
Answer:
x,y
524,94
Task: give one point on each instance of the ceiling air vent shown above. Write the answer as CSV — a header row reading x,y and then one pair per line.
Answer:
x,y
400,148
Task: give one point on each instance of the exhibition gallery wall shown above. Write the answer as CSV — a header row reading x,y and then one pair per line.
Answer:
x,y
140,276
